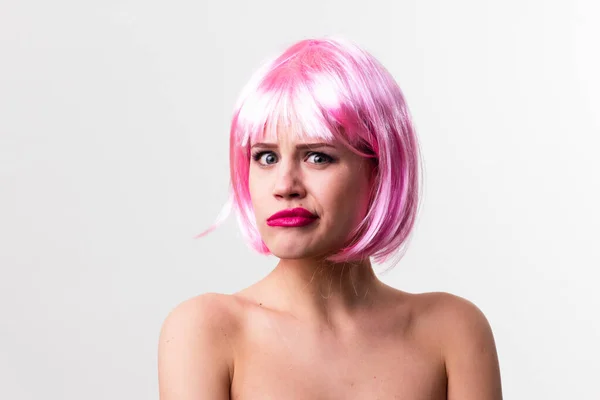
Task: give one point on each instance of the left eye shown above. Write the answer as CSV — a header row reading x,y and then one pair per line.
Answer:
x,y
319,158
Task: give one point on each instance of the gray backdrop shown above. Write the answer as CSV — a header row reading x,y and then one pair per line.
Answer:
x,y
114,124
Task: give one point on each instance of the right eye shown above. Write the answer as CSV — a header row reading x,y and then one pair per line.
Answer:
x,y
265,157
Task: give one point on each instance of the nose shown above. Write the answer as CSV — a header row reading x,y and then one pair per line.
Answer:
x,y
288,182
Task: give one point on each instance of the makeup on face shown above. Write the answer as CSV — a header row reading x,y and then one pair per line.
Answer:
x,y
318,154
292,218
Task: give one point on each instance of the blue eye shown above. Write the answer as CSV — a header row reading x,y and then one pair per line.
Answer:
x,y
319,158
265,157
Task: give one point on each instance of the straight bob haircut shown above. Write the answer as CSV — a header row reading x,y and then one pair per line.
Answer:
x,y
331,89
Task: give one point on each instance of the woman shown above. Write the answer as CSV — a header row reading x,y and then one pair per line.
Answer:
x,y
325,176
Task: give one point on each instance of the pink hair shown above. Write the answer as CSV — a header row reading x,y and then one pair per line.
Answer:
x,y
330,89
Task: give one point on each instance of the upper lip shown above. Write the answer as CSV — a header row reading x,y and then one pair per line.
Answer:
x,y
292,212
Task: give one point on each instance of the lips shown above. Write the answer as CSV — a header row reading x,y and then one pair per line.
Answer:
x,y
294,217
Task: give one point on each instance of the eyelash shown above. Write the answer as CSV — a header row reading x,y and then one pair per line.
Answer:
x,y
329,159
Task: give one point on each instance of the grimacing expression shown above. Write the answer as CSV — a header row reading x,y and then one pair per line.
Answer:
x,y
327,179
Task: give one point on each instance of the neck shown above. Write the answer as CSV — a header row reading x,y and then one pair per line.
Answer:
x,y
324,291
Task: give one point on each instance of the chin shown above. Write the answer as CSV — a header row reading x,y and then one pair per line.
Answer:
x,y
288,248
298,252
302,243
295,255
297,249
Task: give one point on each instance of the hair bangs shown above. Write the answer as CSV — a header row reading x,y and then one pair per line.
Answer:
x,y
291,105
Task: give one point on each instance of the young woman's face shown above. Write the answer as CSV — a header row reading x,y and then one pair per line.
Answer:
x,y
327,180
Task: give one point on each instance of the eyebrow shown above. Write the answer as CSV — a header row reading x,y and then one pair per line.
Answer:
x,y
302,146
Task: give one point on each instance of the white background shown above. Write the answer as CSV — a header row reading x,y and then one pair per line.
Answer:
x,y
114,122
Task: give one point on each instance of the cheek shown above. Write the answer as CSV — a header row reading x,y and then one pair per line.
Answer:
x,y
257,190
347,196
360,194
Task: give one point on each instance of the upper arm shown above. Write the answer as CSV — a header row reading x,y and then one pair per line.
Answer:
x,y
470,352
194,357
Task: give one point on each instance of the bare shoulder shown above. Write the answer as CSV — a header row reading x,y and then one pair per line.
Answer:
x,y
209,311
457,319
195,353
451,310
467,344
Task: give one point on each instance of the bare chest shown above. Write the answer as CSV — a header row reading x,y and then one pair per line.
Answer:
x,y
277,365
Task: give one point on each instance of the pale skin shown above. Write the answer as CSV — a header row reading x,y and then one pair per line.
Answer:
x,y
318,330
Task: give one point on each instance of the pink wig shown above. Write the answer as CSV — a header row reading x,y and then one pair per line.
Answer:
x,y
330,89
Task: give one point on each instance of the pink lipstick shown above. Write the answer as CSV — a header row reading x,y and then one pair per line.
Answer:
x,y
293,217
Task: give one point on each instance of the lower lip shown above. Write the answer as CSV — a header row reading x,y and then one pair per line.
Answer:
x,y
291,222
